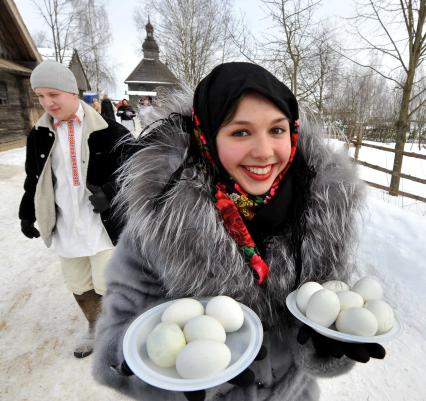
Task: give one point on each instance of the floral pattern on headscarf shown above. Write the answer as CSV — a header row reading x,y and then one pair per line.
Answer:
x,y
234,204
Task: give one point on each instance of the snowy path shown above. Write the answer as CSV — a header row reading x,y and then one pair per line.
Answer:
x,y
39,319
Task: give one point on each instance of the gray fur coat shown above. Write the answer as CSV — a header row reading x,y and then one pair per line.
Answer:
x,y
182,249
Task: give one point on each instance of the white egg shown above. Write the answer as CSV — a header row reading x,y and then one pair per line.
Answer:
x,y
182,310
369,288
358,321
202,358
350,299
383,313
227,311
323,307
304,292
204,328
164,343
335,285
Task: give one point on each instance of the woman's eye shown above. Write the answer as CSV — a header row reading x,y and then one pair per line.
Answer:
x,y
239,133
278,130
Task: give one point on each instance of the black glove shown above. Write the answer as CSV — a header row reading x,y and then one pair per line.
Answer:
x,y
98,199
28,229
326,347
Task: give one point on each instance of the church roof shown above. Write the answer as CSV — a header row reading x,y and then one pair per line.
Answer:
x,y
151,71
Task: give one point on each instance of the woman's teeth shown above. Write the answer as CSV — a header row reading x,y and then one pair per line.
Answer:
x,y
259,170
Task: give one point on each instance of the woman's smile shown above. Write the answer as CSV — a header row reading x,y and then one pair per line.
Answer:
x,y
254,146
258,173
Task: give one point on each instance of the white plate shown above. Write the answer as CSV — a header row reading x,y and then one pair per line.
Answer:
x,y
337,335
244,345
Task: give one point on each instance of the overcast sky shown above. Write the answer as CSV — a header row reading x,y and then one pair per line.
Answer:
x,y
124,50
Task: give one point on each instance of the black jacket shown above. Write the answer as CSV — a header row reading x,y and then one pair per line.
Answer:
x,y
126,112
107,110
108,149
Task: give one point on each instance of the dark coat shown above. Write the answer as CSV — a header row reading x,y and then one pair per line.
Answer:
x,y
108,149
107,110
126,112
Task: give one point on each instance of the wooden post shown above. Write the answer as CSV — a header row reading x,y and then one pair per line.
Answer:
x,y
358,143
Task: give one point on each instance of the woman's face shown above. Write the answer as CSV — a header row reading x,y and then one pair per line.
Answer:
x,y
254,146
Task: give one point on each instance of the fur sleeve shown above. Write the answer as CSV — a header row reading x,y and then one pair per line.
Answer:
x,y
132,289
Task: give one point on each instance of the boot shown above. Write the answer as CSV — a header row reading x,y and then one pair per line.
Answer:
x,y
90,304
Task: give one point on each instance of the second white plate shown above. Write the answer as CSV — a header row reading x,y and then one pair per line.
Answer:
x,y
337,335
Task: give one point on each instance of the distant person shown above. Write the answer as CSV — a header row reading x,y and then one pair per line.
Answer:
x,y
127,114
145,109
71,160
107,109
96,105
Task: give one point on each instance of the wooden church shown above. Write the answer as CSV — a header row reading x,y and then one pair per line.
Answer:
x,y
151,77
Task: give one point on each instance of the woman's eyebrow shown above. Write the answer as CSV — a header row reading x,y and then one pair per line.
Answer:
x,y
239,122
278,120
243,122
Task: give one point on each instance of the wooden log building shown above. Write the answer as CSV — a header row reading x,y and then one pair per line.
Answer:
x,y
19,108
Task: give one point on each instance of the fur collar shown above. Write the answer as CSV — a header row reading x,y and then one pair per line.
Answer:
x,y
185,241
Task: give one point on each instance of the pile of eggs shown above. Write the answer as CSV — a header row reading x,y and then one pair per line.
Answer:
x,y
192,339
359,310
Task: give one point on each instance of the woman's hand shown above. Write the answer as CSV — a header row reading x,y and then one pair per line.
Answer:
x,y
326,347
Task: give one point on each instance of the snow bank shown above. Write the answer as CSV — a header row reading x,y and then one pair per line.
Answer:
x,y
39,319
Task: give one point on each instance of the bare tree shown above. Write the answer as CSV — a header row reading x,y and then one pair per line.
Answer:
x,y
191,33
245,43
400,36
92,37
323,71
291,48
60,18
362,100
419,116
40,39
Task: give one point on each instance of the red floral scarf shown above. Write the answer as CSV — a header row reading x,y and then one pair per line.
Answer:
x,y
233,203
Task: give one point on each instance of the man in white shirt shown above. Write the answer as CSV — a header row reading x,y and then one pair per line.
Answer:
x,y
72,158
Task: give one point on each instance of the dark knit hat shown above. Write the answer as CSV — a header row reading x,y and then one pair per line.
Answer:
x,y
225,84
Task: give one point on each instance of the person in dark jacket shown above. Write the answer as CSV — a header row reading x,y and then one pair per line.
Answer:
x,y
107,109
127,115
72,157
230,195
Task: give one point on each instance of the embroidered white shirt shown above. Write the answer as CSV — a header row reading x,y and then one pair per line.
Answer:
x,y
79,231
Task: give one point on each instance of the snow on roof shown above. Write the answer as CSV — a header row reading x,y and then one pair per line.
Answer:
x,y
49,54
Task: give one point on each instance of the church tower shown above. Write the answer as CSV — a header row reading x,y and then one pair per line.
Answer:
x,y
150,77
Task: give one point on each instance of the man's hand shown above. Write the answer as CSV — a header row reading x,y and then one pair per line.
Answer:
x,y
28,229
98,199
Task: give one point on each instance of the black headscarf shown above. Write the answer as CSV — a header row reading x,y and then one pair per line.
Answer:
x,y
226,83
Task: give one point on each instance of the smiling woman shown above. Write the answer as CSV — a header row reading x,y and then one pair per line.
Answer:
x,y
254,146
228,197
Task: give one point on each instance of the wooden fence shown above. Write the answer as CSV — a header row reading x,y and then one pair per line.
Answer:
x,y
358,144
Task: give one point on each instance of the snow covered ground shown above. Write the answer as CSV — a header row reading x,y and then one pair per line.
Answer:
x,y
39,320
